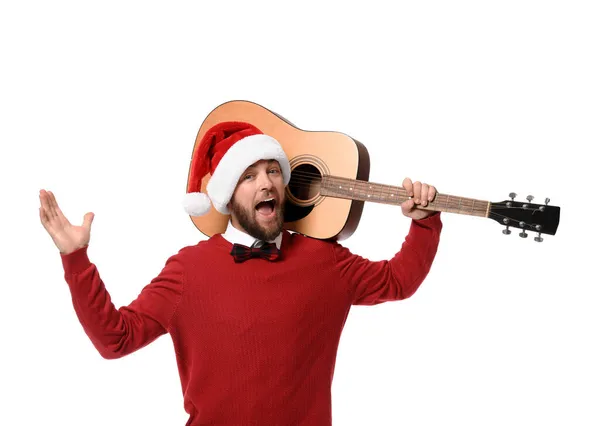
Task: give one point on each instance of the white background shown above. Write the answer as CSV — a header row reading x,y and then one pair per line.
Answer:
x,y
101,102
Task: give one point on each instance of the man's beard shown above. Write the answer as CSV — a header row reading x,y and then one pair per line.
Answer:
x,y
247,220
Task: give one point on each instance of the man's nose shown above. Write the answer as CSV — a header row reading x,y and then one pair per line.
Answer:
x,y
265,181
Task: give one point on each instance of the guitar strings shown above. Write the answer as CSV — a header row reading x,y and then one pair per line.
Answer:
x,y
457,209
383,191
478,205
306,182
307,178
304,179
482,207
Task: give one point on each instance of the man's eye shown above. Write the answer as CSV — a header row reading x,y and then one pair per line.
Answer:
x,y
274,170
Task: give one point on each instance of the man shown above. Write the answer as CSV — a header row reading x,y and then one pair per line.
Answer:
x,y
255,313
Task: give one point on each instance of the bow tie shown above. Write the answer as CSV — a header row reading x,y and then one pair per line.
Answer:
x,y
267,251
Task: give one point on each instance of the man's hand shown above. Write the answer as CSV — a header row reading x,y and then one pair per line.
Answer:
x,y
67,237
421,194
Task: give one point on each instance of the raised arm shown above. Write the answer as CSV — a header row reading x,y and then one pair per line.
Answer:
x,y
114,332
398,278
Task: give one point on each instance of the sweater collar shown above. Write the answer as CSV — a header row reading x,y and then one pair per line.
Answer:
x,y
235,236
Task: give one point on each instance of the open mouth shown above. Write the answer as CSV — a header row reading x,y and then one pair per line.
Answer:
x,y
266,207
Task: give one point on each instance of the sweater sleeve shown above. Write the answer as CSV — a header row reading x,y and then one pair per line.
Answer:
x,y
118,332
372,282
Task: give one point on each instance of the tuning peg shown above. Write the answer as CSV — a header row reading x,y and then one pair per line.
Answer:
x,y
539,238
529,198
522,234
506,222
512,196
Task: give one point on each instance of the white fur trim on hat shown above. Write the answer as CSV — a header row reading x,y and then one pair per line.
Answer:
x,y
196,203
236,160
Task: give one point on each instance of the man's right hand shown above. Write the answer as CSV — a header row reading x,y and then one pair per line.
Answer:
x,y
67,237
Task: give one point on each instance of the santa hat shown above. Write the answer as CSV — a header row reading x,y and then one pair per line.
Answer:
x,y
226,151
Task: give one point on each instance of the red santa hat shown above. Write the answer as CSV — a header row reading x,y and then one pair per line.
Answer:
x,y
226,151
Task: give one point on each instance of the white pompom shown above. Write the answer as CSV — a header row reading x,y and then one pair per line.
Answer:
x,y
196,203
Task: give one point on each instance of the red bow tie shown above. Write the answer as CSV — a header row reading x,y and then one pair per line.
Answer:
x,y
267,251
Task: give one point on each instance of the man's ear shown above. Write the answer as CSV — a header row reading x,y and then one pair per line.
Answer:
x,y
230,202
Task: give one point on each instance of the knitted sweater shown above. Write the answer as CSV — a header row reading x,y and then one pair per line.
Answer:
x,y
255,342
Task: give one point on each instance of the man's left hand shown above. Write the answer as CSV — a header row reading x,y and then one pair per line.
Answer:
x,y
421,195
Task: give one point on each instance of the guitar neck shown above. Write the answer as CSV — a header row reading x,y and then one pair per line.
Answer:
x,y
337,187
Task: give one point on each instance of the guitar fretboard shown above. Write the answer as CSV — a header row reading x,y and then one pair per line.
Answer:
x,y
350,189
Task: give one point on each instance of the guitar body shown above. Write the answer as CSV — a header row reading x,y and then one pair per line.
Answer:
x,y
312,155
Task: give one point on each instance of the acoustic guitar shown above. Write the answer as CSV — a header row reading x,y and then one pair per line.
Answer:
x,y
330,183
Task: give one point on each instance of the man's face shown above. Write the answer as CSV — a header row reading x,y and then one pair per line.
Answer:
x,y
258,200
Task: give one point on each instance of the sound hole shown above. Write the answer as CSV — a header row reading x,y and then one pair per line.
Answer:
x,y
305,183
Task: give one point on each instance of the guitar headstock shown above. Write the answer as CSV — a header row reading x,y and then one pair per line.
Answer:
x,y
526,216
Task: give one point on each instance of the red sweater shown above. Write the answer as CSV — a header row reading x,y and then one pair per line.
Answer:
x,y
255,342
